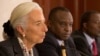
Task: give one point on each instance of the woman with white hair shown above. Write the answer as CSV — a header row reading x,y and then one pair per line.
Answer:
x,y
25,28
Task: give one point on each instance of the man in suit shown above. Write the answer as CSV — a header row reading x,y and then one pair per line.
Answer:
x,y
88,33
60,23
25,28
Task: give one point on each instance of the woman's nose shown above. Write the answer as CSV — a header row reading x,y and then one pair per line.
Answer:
x,y
45,28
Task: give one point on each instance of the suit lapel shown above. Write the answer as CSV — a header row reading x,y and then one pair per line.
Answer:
x,y
98,45
35,52
86,43
16,47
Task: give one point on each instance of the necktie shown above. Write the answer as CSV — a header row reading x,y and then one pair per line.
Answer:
x,y
63,49
94,49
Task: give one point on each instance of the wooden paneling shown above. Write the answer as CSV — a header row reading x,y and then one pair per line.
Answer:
x,y
93,5
45,4
77,7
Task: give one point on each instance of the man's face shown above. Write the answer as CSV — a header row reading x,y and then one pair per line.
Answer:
x,y
62,25
36,27
93,26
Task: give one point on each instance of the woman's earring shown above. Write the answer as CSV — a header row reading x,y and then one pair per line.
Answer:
x,y
23,35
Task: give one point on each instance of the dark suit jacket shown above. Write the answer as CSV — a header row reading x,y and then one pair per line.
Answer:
x,y
11,47
82,44
50,47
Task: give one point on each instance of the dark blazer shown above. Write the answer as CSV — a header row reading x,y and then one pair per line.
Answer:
x,y
50,47
82,44
11,47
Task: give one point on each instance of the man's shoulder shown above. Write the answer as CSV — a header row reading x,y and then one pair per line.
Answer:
x,y
77,34
50,39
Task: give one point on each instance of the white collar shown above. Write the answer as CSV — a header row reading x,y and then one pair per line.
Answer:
x,y
60,42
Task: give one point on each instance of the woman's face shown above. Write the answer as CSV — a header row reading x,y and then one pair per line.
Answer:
x,y
36,27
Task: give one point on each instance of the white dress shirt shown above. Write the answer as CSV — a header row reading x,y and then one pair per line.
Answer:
x,y
90,40
60,42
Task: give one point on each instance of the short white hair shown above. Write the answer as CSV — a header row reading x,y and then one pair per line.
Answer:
x,y
19,13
